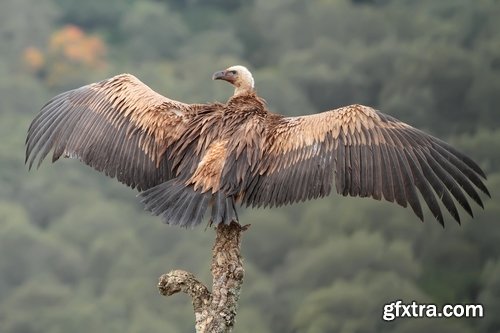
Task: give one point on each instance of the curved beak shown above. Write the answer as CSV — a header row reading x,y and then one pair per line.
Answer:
x,y
220,75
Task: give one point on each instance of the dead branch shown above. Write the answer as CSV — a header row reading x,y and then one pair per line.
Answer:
x,y
214,311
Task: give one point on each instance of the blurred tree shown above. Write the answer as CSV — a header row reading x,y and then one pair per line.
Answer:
x,y
72,44
91,14
432,326
344,256
370,2
70,55
490,297
151,31
43,299
16,35
29,254
72,52
221,5
440,262
353,305
265,248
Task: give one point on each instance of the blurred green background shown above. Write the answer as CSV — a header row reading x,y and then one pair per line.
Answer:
x,y
79,254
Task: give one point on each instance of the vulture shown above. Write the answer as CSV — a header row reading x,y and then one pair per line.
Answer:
x,y
185,159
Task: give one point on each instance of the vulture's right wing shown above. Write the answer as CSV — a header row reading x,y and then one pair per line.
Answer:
x,y
119,126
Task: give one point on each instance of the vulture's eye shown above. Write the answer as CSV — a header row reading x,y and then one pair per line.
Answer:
x,y
233,72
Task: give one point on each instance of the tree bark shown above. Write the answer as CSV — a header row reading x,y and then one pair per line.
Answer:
x,y
214,311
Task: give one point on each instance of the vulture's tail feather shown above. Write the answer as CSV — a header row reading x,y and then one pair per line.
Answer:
x,y
178,204
223,209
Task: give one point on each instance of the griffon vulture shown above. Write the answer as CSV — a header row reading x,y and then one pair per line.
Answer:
x,y
186,158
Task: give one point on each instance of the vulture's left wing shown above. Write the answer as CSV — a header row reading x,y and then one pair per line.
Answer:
x,y
119,126
367,154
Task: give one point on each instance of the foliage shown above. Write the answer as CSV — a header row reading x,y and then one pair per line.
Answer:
x,y
77,252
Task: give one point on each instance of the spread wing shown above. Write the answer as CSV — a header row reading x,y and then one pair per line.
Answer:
x,y
118,126
367,154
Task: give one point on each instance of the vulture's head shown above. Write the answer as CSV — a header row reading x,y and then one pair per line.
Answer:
x,y
238,76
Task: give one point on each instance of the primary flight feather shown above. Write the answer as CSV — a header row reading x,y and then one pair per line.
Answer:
x,y
188,158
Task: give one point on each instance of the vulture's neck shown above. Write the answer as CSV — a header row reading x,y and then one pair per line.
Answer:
x,y
243,90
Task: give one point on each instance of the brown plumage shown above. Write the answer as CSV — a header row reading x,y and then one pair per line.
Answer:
x,y
185,158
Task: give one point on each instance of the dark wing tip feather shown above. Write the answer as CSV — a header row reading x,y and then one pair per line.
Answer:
x,y
464,158
458,161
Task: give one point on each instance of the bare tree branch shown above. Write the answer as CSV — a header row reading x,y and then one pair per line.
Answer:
x,y
179,280
215,312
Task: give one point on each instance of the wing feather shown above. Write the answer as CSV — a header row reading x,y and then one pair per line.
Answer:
x,y
387,184
410,191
